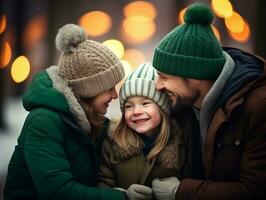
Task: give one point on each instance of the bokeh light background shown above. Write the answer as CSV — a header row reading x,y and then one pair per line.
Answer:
x,y
131,29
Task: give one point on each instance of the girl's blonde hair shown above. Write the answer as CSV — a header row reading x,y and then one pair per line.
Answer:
x,y
128,139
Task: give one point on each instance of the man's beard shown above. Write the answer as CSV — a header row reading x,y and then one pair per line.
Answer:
x,y
184,102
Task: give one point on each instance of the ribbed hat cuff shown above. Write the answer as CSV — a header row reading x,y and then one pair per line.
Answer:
x,y
98,83
188,66
146,88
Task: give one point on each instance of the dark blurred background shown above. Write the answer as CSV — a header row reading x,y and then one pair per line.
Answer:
x,y
131,29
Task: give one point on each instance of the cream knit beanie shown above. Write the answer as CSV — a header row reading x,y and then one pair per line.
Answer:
x,y
141,82
89,67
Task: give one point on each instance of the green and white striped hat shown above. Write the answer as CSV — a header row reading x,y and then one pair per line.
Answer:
x,y
141,82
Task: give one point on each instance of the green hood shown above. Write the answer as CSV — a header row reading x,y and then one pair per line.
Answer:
x,y
41,93
49,90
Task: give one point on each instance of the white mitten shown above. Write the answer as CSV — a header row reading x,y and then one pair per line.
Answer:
x,y
136,191
165,188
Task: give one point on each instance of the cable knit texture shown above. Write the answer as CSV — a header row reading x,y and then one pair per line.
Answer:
x,y
191,50
89,66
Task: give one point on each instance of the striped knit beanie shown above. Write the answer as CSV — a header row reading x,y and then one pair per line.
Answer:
x,y
141,82
88,66
191,50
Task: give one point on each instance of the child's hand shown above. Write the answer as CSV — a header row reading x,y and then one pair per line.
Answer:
x,y
136,191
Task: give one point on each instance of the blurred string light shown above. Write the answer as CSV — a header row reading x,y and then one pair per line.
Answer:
x,y
35,30
138,29
20,69
222,8
140,8
116,46
237,27
96,23
3,23
134,57
138,26
181,16
5,54
235,23
243,36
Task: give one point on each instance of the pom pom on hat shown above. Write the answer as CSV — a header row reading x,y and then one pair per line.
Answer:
x,y
68,37
88,66
191,50
199,14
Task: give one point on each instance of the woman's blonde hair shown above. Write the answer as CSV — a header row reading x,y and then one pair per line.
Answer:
x,y
128,139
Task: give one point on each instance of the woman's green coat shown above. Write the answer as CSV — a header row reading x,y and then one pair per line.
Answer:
x,y
54,158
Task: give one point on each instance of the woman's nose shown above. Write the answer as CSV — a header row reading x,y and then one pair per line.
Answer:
x,y
114,93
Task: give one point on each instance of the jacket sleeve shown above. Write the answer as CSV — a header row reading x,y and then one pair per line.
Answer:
x,y
252,182
106,177
47,163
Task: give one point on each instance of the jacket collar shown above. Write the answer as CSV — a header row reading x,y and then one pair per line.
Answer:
x,y
169,157
75,108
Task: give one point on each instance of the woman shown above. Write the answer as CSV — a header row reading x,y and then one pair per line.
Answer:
x,y
57,152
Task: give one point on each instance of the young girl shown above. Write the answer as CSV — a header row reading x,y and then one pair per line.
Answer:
x,y
143,146
57,151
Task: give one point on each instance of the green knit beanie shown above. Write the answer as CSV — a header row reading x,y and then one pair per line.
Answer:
x,y
191,50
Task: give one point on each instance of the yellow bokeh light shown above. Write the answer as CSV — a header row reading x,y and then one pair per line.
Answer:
x,y
138,28
116,46
2,24
34,31
134,57
216,32
140,8
20,69
181,16
243,36
5,55
96,23
222,8
235,23
127,67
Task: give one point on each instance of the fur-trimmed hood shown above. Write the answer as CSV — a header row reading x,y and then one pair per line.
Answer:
x,y
49,90
169,157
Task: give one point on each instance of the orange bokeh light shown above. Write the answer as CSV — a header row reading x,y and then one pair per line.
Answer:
x,y
3,23
235,23
34,31
181,16
140,8
5,54
243,36
138,29
96,23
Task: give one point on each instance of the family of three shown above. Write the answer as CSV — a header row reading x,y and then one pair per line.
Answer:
x,y
193,123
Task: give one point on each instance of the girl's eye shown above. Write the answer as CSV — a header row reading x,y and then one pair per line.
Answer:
x,y
146,103
127,106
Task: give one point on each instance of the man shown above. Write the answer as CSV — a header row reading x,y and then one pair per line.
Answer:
x,y
219,98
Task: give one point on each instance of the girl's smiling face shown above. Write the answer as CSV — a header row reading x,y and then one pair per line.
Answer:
x,y
142,115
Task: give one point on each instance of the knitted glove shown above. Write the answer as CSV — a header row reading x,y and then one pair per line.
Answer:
x,y
136,191
165,188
